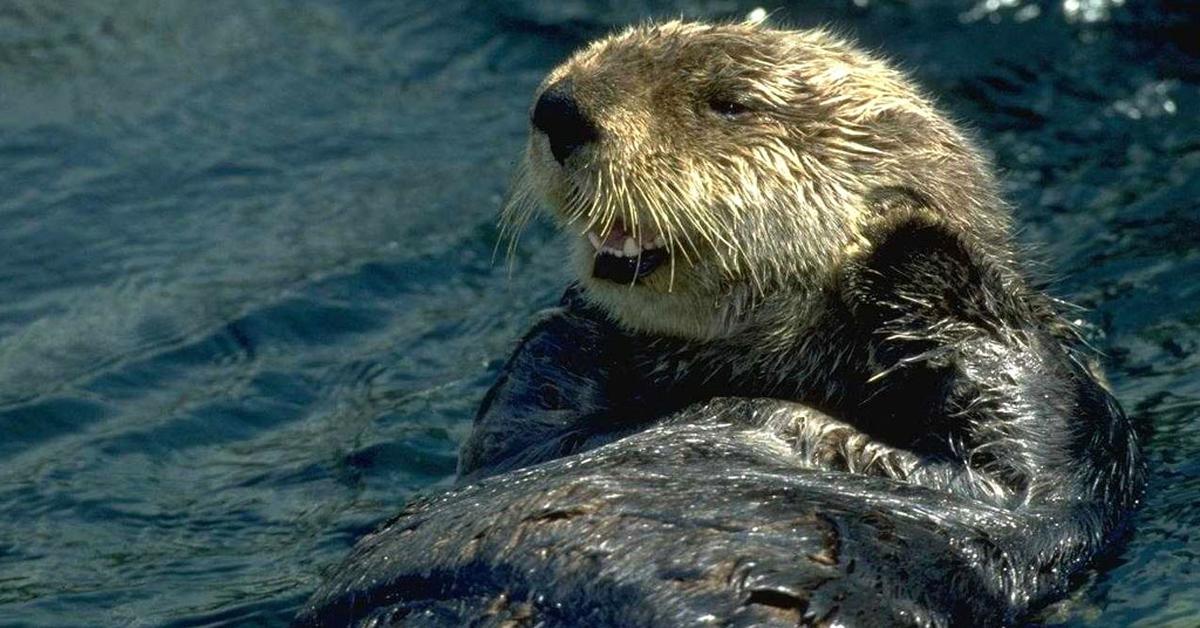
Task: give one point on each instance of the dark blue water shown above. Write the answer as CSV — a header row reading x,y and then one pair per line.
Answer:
x,y
247,303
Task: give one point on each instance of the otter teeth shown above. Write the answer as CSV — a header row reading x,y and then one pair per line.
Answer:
x,y
622,245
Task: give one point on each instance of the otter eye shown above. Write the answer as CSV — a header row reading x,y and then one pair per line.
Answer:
x,y
729,107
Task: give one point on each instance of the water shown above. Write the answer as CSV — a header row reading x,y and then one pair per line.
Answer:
x,y
248,304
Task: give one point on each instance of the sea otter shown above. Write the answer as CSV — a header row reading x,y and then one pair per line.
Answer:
x,y
801,377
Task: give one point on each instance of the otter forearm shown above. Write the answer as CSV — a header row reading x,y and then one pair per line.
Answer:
x,y
542,400
709,516
968,364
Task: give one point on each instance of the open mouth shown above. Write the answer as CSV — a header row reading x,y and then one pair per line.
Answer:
x,y
622,258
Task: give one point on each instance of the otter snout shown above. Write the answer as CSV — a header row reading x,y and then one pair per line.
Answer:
x,y
557,114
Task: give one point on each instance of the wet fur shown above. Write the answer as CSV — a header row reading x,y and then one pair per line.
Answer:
x,y
904,433
953,463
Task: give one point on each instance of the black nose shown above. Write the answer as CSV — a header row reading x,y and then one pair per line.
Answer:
x,y
558,116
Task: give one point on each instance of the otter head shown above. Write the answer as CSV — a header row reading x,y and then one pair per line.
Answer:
x,y
703,172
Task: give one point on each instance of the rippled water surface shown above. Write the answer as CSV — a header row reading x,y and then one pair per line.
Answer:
x,y
247,303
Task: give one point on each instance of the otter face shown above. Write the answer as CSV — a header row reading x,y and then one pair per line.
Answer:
x,y
699,170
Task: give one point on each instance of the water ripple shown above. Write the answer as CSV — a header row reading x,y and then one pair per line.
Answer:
x,y
249,299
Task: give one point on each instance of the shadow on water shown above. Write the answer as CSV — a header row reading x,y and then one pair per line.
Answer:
x,y
249,300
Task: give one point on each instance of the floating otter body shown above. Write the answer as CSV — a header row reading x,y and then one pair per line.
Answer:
x,y
801,379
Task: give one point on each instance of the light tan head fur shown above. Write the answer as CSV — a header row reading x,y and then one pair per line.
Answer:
x,y
753,152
